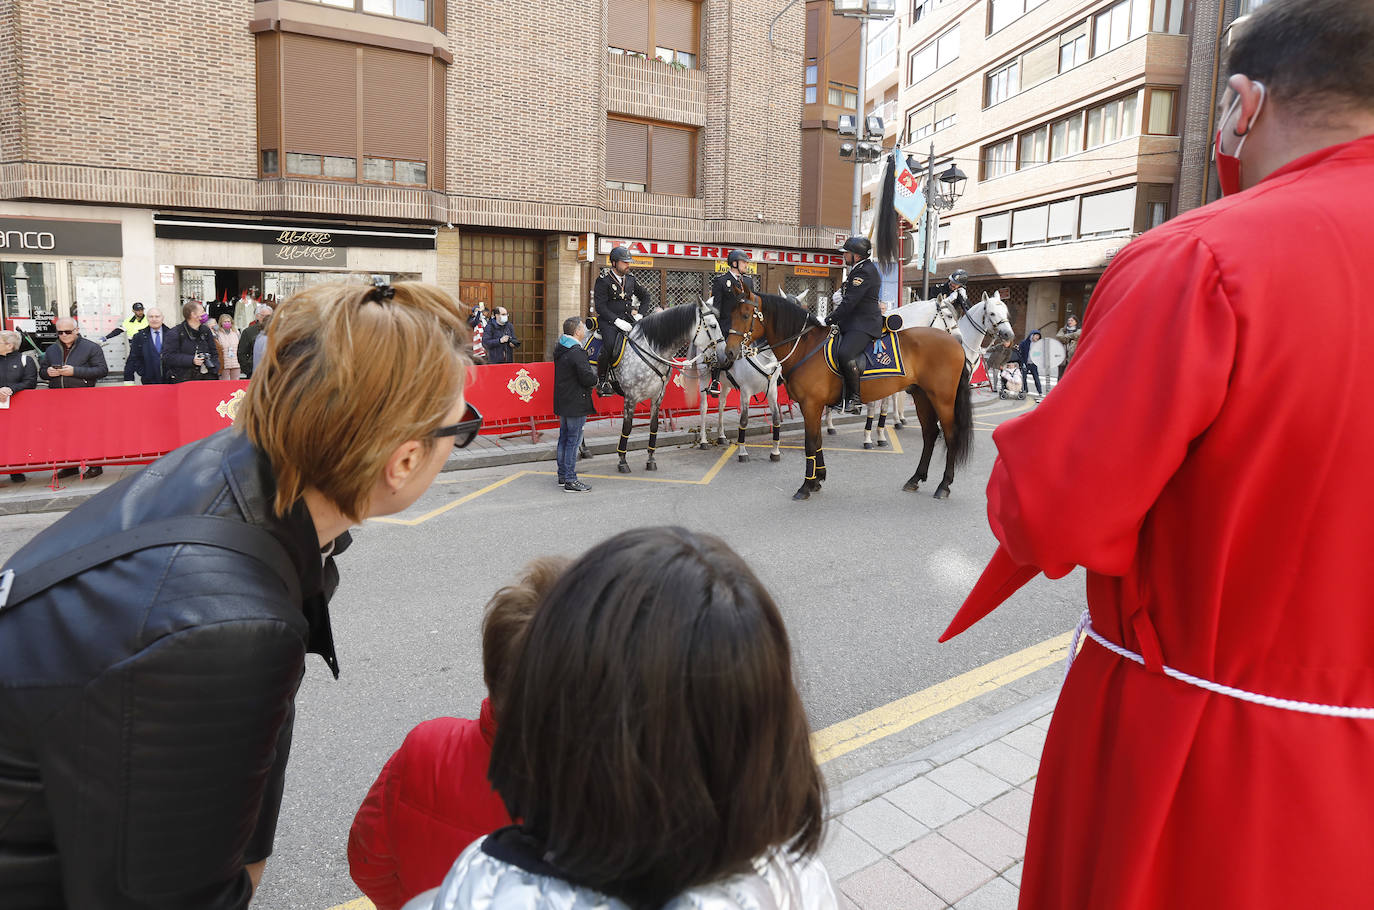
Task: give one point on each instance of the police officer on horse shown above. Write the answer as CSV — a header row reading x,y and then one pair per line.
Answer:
x,y
954,285
725,294
858,317
611,298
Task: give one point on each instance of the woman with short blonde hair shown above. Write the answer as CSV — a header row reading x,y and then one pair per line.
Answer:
x,y
191,632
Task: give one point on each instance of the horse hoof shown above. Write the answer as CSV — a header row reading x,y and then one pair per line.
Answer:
x,y
649,466
868,445
801,494
911,486
881,443
623,468
744,457
941,493
832,432
775,456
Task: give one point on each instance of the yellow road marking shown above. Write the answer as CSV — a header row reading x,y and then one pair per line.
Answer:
x,y
848,735
411,522
361,903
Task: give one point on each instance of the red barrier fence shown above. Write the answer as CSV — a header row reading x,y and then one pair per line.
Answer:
x,y
137,424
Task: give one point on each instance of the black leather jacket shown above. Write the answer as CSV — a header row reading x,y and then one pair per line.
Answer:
x,y
146,705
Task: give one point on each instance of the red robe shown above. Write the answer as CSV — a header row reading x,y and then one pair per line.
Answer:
x,y
1206,460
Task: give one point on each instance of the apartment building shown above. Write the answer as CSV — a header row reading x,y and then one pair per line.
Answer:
x,y
498,149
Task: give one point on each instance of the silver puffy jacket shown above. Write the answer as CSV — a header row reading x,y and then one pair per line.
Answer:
x,y
478,880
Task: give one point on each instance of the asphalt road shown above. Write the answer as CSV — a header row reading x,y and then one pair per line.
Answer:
x,y
867,577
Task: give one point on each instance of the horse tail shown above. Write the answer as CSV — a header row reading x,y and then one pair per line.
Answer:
x,y
961,445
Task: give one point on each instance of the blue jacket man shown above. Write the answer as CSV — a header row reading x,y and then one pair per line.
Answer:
x,y
1023,351
145,351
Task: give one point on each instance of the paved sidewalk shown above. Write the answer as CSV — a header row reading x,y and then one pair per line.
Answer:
x,y
944,827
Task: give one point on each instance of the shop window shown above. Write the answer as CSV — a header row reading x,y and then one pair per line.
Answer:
x,y
99,295
413,10
30,288
1159,111
667,30
999,158
683,288
325,105
650,157
937,53
514,267
931,118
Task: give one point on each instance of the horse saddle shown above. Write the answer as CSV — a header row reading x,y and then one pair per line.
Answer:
x,y
880,359
593,348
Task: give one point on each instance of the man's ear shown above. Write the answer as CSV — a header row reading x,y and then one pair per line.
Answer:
x,y
1251,94
402,464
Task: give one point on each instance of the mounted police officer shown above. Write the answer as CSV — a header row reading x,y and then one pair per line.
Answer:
x,y
858,316
611,299
725,294
954,285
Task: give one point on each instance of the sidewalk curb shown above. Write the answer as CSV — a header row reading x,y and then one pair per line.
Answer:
x,y
872,784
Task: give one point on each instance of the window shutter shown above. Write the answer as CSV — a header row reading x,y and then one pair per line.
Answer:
x,y
319,97
675,25
813,31
1028,225
992,228
1040,63
1063,216
627,151
439,152
395,105
1113,211
269,91
944,108
672,161
628,25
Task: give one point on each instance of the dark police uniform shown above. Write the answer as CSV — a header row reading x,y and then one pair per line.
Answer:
x,y
725,294
944,289
611,299
859,317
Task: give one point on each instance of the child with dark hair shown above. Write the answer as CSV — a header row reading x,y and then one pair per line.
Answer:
x,y
432,798
653,744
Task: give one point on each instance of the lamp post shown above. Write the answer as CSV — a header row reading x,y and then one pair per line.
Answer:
x,y
864,137
937,200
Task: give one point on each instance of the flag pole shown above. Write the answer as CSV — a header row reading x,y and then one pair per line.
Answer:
x,y
925,216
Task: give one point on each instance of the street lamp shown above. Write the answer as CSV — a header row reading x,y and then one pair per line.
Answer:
x,y
868,140
941,197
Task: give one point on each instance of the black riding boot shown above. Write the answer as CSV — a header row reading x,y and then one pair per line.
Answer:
x,y
714,388
603,385
853,403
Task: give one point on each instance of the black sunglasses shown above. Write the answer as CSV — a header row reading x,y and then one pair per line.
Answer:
x,y
465,430
66,331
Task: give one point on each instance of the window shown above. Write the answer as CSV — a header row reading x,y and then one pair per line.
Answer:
x,y
922,8
841,95
1107,213
667,30
942,241
1118,24
1030,226
1003,83
1159,120
330,110
931,118
1112,121
1005,12
414,10
1249,6
1169,15
811,83
994,231
926,60
1035,147
1063,217
650,157
999,158
1157,214
1066,137
1073,47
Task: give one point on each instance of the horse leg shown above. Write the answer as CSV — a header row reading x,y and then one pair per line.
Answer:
x,y
776,454
652,465
948,427
705,412
830,422
899,410
882,422
811,413
625,425
868,427
925,413
720,418
743,422
820,463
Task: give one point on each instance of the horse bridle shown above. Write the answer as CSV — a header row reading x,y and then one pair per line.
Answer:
x,y
746,338
982,324
647,356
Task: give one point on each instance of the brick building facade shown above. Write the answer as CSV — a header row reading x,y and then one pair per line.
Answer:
x,y
276,143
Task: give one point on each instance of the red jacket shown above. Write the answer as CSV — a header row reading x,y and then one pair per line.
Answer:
x,y
1218,493
431,800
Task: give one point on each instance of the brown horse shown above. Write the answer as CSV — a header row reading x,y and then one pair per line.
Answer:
x,y
935,374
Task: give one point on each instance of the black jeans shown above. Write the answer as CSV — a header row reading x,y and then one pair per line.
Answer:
x,y
1035,374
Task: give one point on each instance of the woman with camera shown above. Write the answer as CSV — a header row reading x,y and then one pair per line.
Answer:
x,y
190,351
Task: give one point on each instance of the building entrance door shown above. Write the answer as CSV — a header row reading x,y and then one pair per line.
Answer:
x,y
473,292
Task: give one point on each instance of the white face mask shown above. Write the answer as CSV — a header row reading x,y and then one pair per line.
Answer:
x,y
500,320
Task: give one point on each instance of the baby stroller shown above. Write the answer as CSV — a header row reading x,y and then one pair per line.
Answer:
x,y
1012,386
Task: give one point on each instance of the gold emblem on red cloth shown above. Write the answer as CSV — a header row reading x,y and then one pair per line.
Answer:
x,y
523,386
677,379
230,408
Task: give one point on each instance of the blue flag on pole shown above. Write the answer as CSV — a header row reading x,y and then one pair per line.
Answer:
x,y
908,198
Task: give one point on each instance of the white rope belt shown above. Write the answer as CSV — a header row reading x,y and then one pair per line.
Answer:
x,y
1287,704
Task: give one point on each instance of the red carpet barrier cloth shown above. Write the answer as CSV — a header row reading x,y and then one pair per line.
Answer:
x,y
134,424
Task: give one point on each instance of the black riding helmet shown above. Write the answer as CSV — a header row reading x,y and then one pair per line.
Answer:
x,y
621,254
959,277
859,246
737,256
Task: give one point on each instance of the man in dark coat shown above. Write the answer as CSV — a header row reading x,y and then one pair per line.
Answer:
x,y
573,379
72,362
725,295
500,339
1023,355
17,374
858,316
145,351
249,335
611,299
190,350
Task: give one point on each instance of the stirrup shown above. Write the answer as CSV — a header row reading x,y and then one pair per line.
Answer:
x,y
714,389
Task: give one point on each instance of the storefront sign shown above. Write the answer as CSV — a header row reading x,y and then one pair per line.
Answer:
x,y
61,237
813,270
166,274
277,232
750,268
304,248
701,251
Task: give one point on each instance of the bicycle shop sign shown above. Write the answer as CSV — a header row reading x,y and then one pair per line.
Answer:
x,y
61,237
304,247
668,250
